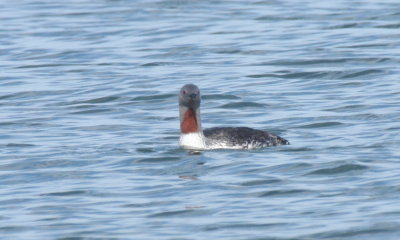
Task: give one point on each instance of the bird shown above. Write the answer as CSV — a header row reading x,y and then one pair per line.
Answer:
x,y
193,136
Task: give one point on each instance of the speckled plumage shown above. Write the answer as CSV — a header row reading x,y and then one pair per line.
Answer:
x,y
242,137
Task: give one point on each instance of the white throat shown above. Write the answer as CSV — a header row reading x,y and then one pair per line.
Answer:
x,y
195,140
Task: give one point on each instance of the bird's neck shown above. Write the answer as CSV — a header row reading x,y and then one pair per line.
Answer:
x,y
190,120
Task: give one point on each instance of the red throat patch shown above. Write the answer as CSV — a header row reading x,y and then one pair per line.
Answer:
x,y
189,123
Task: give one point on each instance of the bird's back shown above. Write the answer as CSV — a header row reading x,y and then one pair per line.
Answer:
x,y
242,137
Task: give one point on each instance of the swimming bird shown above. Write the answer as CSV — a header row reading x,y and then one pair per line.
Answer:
x,y
193,137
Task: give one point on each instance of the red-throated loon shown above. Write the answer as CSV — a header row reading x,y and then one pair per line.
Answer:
x,y
193,136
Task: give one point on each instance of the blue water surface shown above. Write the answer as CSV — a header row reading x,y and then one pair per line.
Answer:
x,y
89,123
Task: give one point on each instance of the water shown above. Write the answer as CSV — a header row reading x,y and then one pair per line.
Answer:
x,y
89,119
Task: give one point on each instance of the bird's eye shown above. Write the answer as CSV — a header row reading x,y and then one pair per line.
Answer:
x,y
184,92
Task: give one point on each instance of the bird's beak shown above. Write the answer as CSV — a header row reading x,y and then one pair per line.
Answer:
x,y
193,96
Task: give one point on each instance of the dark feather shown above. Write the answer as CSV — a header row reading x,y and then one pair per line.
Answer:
x,y
243,136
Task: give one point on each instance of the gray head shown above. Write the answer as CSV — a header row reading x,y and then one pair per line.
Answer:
x,y
189,96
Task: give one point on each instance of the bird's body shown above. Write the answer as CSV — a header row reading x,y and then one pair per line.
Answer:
x,y
193,136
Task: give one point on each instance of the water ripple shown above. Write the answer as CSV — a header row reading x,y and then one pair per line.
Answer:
x,y
320,75
282,193
238,105
339,169
90,122
321,125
